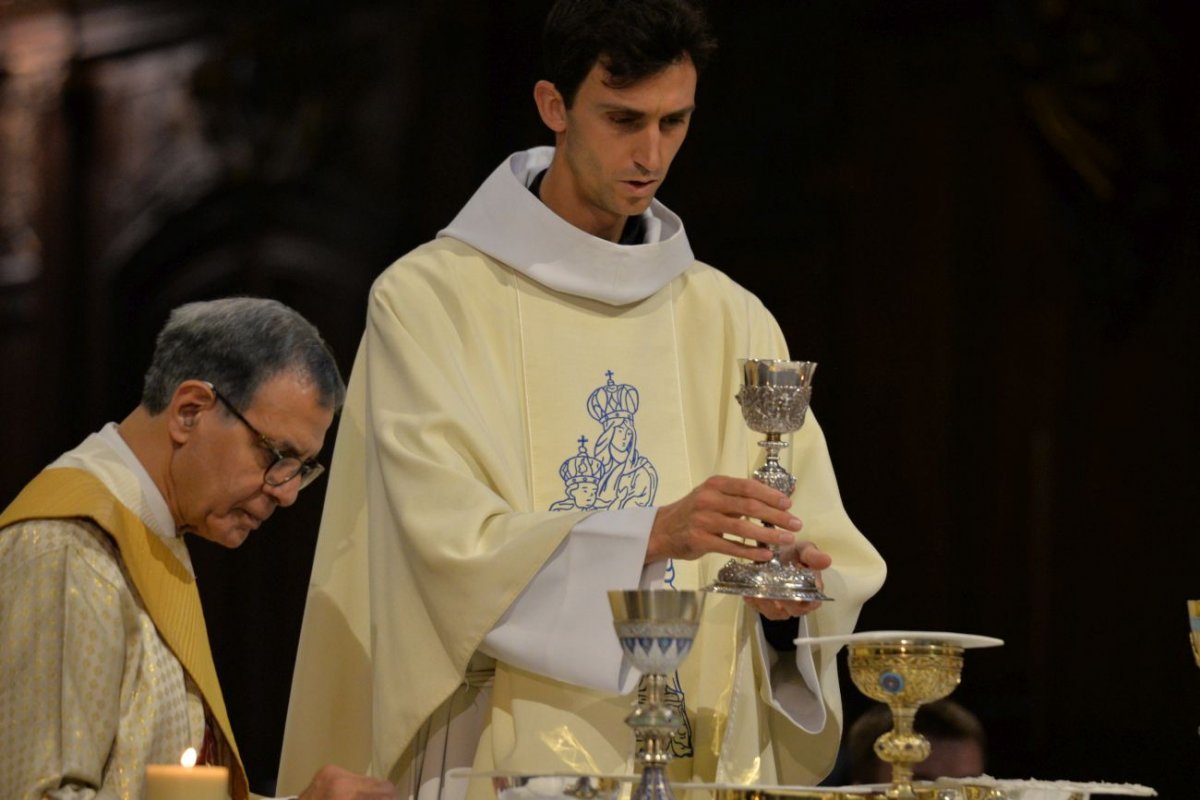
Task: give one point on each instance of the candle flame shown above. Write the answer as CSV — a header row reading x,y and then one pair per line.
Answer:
x,y
188,759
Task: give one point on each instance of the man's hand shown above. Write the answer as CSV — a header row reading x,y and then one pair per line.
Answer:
x,y
697,524
805,554
334,783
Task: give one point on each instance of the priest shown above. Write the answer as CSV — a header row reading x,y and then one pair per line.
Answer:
x,y
541,410
103,647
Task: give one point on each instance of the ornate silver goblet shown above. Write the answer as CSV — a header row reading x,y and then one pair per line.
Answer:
x,y
774,397
656,628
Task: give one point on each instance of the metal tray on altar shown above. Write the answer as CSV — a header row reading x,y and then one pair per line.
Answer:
x,y
555,786
574,786
981,788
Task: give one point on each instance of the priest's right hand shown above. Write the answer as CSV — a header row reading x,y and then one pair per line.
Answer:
x,y
698,523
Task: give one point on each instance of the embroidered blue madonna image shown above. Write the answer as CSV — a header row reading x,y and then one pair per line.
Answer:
x,y
615,474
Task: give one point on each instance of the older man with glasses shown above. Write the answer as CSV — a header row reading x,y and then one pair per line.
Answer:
x,y
103,649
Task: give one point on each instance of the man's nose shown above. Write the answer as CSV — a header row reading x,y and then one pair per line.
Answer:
x,y
647,152
284,494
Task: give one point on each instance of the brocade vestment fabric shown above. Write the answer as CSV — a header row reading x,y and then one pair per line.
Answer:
x,y
519,406
103,648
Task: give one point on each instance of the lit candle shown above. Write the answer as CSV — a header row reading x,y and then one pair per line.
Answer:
x,y
186,781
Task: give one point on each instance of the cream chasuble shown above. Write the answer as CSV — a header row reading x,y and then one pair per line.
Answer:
x,y
499,422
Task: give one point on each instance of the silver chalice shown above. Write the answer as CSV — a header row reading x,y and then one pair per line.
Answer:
x,y
774,399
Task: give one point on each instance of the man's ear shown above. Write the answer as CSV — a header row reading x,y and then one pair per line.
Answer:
x,y
550,106
190,400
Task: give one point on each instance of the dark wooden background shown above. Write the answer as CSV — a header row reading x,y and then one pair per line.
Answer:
x,y
980,217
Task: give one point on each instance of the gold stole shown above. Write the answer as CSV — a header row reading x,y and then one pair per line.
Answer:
x,y
587,374
166,588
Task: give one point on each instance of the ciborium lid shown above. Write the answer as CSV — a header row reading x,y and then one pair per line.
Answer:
x,y
965,641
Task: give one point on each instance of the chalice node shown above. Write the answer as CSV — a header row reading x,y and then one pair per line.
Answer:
x,y
656,628
774,397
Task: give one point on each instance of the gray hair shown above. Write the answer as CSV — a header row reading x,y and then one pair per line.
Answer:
x,y
237,344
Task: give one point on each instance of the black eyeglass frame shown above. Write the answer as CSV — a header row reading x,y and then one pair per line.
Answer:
x,y
308,470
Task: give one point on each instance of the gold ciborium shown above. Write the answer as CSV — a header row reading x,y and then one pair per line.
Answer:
x,y
904,674
656,628
905,669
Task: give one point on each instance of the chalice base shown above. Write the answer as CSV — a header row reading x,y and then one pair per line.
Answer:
x,y
770,580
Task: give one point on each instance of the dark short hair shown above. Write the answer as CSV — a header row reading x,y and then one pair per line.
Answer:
x,y
941,719
237,344
632,40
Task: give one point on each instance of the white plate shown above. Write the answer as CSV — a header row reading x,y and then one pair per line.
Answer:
x,y
964,640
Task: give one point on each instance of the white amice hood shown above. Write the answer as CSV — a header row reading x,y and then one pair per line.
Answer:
x,y
509,223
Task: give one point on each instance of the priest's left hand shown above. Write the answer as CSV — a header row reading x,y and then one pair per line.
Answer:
x,y
805,554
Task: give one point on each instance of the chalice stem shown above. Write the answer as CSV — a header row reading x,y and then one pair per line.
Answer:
x,y
903,718
657,750
656,685
897,747
653,785
656,747
775,476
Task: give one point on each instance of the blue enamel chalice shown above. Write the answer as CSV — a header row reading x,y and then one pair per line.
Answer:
x,y
656,628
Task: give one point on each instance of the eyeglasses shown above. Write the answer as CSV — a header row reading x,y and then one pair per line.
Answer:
x,y
283,468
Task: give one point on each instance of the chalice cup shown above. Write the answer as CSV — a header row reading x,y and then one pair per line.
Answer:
x,y
656,628
904,674
774,397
